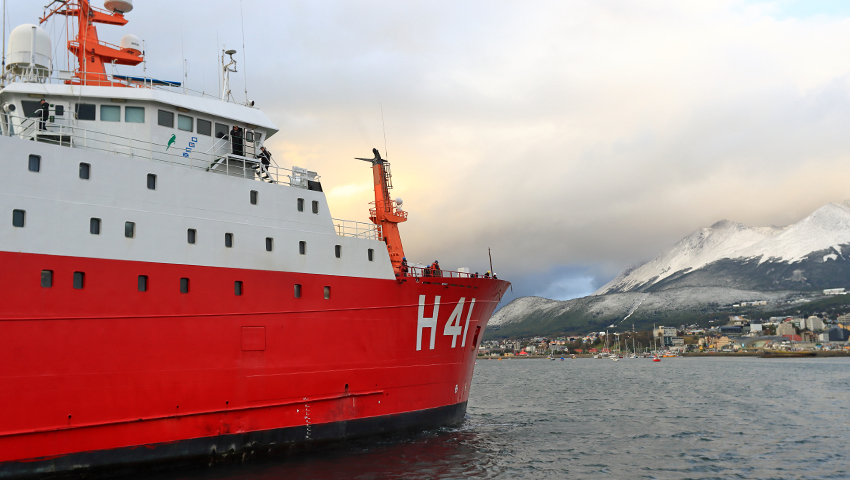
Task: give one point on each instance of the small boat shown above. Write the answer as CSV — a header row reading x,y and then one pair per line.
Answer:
x,y
656,359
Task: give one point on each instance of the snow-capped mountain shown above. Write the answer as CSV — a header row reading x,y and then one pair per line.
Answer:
x,y
806,255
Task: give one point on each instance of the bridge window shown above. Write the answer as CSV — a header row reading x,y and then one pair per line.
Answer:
x,y
221,130
18,217
143,283
94,226
191,234
134,114
85,111
34,164
85,171
185,123
60,110
300,204
46,278
315,206
165,118
110,113
204,127
79,280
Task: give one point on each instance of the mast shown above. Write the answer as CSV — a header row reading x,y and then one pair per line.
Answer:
x,y
387,212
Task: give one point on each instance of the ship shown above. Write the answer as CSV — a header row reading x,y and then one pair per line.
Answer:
x,y
170,295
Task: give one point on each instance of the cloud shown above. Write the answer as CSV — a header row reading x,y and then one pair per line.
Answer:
x,y
573,138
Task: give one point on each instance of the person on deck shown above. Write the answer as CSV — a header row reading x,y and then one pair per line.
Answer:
x,y
265,157
236,140
404,267
435,268
487,275
44,111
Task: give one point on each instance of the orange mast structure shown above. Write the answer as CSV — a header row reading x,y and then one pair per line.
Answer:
x,y
92,54
386,213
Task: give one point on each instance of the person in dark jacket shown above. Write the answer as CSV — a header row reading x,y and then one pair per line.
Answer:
x,y
44,111
265,157
404,267
435,268
236,140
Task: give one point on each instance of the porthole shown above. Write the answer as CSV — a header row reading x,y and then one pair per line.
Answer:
x,y
151,181
129,229
184,285
34,164
18,218
46,278
94,226
228,240
143,283
79,280
191,234
300,204
315,207
338,251
302,248
85,171
297,290
371,254
327,292
253,197
237,287
269,244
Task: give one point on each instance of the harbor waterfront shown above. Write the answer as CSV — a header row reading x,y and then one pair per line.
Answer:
x,y
682,418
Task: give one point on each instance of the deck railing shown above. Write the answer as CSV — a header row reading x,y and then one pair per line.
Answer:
x,y
428,272
351,228
217,161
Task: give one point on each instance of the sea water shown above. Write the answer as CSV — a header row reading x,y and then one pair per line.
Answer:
x,y
681,418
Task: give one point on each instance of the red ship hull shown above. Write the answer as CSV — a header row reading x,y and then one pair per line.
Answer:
x,y
91,375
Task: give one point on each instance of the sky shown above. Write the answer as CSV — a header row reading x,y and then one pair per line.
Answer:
x,y
573,138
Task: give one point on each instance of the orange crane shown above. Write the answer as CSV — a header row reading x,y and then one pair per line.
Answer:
x,y
387,212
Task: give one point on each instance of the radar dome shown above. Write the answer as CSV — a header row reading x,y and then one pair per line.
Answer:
x,y
131,43
28,44
399,201
118,6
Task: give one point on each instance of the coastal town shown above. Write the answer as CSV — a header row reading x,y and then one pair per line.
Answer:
x,y
737,334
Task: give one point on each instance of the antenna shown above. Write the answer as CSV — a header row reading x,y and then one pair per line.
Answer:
x,y
183,55
244,63
3,71
385,130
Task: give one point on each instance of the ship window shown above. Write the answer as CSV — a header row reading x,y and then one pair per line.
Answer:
x,y
110,113
30,107
79,280
237,287
46,278
85,171
185,123
151,181
253,197
300,204
129,229
84,111
60,110
190,235
204,127
338,251
315,206
249,136
143,283
228,240
134,114
165,118
94,226
18,217
269,244
184,285
327,292
302,248
371,254
297,290
34,163
221,130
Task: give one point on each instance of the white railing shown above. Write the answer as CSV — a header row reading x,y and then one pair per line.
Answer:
x,y
351,228
216,162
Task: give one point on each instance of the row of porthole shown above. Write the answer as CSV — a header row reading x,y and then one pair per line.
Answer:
x,y
143,284
34,165
19,220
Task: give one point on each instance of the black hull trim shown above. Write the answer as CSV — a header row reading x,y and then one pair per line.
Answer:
x,y
231,447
